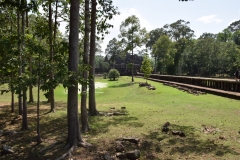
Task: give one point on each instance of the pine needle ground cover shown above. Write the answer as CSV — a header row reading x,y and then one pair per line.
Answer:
x,y
210,124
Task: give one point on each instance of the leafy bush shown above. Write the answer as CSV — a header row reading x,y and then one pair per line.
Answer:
x,y
105,75
113,74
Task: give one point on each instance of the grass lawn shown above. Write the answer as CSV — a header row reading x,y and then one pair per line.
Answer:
x,y
210,123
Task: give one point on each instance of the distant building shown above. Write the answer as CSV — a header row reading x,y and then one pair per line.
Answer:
x,y
121,64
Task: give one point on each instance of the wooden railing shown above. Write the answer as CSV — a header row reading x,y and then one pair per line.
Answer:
x,y
229,85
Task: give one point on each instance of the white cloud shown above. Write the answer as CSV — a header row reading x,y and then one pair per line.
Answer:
x,y
209,19
117,20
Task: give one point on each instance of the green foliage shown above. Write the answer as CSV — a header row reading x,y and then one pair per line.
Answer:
x,y
207,35
164,50
224,36
154,35
105,75
100,64
236,37
207,56
179,29
131,33
105,12
132,36
180,46
234,26
113,74
113,50
146,67
129,65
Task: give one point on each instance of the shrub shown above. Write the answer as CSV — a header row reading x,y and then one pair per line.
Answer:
x,y
113,74
146,67
105,75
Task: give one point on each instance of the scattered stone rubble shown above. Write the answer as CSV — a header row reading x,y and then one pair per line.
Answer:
x,y
148,86
121,151
186,89
165,129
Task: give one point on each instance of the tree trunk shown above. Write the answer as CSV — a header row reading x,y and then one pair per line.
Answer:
x,y
132,58
55,26
30,67
92,102
12,102
113,61
155,69
11,84
31,100
24,115
74,136
84,114
51,89
12,95
20,105
39,140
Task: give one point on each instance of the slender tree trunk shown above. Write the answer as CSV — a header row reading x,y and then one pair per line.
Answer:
x,y
52,50
84,114
55,26
92,101
113,61
74,135
39,140
11,87
31,100
30,67
24,115
51,90
132,58
20,104
12,95
12,102
155,68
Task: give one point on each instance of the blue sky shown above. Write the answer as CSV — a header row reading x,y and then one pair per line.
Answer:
x,y
204,15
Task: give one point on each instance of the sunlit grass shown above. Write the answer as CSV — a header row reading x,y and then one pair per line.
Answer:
x,y
147,110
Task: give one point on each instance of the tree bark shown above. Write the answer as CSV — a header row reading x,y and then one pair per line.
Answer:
x,y
20,105
92,101
55,26
84,114
31,100
132,58
51,89
39,140
12,95
74,136
24,115
155,69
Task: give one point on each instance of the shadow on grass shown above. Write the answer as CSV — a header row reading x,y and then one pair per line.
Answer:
x,y
53,127
45,107
6,116
191,144
101,124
